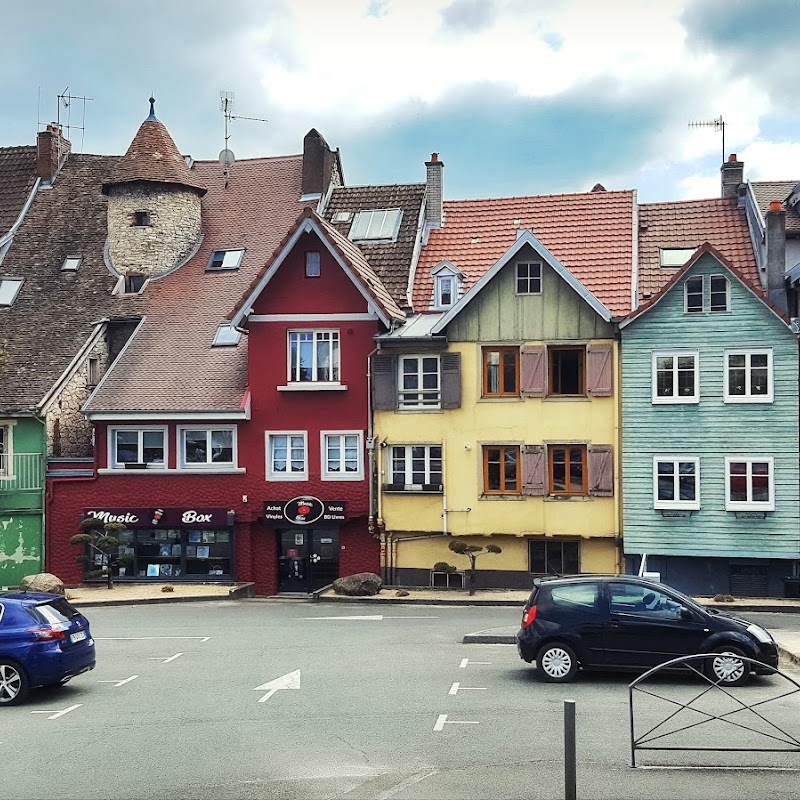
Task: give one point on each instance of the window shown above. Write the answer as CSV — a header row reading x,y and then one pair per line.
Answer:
x,y
580,598
226,336
501,372
748,376
5,451
92,371
675,256
676,482
419,382
445,290
529,278
342,458
381,224
417,467
693,294
134,282
720,300
749,484
138,446
567,467
208,447
549,557
631,598
141,219
287,458
71,264
9,289
567,370
224,260
312,264
501,469
675,377
314,356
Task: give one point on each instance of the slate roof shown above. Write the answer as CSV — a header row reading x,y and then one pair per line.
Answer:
x,y
391,261
767,191
55,312
17,176
590,233
689,223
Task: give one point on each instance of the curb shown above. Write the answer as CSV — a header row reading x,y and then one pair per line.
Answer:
x,y
489,638
788,655
426,602
735,608
149,601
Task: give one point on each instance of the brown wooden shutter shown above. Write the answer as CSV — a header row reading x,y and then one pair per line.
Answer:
x,y
384,382
534,470
601,362
601,470
532,371
451,380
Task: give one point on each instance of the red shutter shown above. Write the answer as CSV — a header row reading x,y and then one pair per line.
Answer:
x,y
601,379
601,470
451,380
534,472
532,371
384,382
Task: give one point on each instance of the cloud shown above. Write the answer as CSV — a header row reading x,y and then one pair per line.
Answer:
x,y
469,16
378,8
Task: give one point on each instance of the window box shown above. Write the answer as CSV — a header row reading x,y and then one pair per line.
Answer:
x,y
135,465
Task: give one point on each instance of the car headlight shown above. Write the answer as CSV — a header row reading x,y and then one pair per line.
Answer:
x,y
759,633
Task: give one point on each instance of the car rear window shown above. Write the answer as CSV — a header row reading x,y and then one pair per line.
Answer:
x,y
55,611
577,597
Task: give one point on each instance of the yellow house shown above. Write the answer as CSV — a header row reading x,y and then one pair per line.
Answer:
x,y
496,418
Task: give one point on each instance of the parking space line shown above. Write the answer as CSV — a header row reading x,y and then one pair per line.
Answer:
x,y
442,720
457,687
165,660
122,682
465,661
57,714
142,638
420,776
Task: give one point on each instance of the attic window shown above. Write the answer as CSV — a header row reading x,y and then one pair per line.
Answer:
x,y
71,264
381,225
446,289
312,264
141,219
134,282
675,256
226,336
9,289
224,260
342,216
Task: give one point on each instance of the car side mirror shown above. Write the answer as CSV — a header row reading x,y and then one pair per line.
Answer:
x,y
685,614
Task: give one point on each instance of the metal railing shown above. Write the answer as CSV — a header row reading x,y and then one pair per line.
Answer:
x,y
21,472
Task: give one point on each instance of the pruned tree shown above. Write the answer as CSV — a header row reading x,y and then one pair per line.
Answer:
x,y
472,551
103,539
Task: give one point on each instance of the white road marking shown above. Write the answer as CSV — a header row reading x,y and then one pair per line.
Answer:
x,y
142,638
465,661
291,680
457,687
165,660
122,682
371,617
442,721
403,784
56,714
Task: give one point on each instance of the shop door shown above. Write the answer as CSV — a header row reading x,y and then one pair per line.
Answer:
x,y
309,559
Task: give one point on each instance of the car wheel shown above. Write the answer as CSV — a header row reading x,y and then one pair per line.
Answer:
x,y
14,687
726,669
556,662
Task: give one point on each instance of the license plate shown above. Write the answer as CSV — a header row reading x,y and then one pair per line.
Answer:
x,y
79,636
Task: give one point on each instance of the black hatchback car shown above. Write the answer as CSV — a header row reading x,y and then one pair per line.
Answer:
x,y
629,623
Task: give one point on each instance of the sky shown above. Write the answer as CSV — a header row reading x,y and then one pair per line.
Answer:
x,y
518,97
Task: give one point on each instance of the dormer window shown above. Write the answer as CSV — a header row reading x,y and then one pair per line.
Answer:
x,y
675,256
446,285
9,289
134,282
380,225
71,264
141,219
225,260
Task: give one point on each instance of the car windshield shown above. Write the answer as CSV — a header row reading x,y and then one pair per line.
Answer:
x,y
55,612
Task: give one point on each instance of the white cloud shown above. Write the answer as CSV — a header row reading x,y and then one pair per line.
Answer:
x,y
771,161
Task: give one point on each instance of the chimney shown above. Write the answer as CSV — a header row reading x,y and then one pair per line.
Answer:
x,y
775,237
732,174
433,192
51,149
320,165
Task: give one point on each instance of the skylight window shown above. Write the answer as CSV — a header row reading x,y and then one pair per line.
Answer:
x,y
71,264
342,216
675,256
226,336
225,259
9,289
376,225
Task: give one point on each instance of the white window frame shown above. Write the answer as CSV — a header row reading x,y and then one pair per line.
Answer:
x,y
140,429
702,279
674,256
71,263
727,308
313,264
747,352
366,220
401,403
358,475
277,475
438,282
677,503
12,294
518,277
749,505
675,399
182,430
334,334
233,256
7,460
408,470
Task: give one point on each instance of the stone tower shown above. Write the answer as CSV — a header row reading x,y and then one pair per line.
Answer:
x,y
153,206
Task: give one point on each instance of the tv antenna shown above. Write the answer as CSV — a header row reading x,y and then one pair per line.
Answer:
x,y
717,124
65,100
226,104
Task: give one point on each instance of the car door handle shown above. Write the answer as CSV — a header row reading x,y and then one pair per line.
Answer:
x,y
615,623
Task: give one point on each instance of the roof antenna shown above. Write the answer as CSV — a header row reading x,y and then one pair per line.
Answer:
x,y
717,124
65,99
226,156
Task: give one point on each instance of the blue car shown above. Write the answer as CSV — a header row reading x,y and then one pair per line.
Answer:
x,y
44,641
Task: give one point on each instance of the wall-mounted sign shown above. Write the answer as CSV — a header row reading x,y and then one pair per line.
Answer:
x,y
305,510
162,517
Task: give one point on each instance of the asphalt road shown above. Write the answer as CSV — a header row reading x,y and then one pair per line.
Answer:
x,y
387,706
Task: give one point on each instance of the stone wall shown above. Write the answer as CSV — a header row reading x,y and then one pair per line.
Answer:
x,y
171,235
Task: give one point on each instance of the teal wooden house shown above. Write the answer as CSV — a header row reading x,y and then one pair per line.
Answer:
x,y
710,434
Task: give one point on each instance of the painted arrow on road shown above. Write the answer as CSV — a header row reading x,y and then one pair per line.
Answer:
x,y
289,681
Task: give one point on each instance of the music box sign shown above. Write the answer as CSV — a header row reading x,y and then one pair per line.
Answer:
x,y
305,510
162,517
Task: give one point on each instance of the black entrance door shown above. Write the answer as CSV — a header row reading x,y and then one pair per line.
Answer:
x,y
309,559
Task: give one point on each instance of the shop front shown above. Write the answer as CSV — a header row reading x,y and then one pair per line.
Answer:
x,y
307,529
170,544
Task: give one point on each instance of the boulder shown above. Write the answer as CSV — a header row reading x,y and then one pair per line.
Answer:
x,y
361,584
42,582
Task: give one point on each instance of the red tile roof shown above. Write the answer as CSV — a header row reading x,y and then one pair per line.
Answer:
x,y
590,233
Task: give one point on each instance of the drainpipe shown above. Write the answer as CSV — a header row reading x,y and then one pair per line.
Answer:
x,y
370,446
444,492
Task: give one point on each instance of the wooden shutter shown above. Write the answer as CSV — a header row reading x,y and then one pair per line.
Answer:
x,y
384,382
601,470
534,470
600,370
451,380
532,371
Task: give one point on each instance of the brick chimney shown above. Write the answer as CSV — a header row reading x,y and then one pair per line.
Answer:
x,y
433,192
51,150
321,165
775,239
732,174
